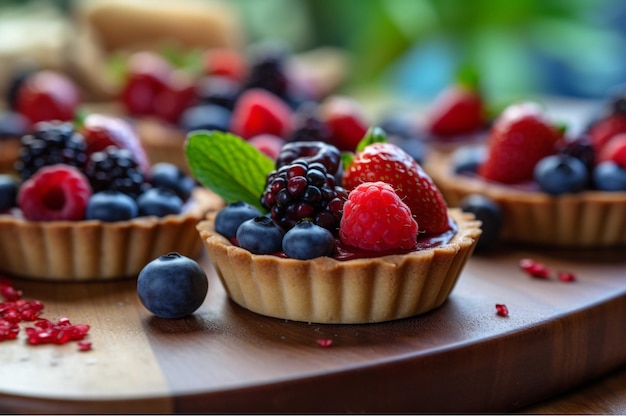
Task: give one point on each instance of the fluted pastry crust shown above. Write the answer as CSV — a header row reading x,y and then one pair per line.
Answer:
x,y
325,290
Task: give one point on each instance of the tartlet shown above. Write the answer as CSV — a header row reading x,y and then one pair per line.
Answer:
x,y
92,250
327,290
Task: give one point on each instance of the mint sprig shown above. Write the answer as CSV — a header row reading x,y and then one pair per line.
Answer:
x,y
228,165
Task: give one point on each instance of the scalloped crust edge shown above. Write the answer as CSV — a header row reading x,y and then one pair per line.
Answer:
x,y
95,250
325,290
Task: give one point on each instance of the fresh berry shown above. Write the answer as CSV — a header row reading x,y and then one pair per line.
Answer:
x,y
260,235
267,63
307,125
178,94
147,76
560,174
172,177
219,90
614,150
602,130
580,148
16,78
55,192
489,213
111,206
205,117
520,137
467,159
389,163
375,218
306,240
313,151
230,218
115,169
51,143
346,120
159,202
609,176
457,110
13,125
225,62
270,145
47,95
172,286
8,192
258,111
101,131
303,190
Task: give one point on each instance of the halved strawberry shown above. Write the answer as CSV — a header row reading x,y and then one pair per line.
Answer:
x,y
346,120
383,161
101,131
605,128
258,111
614,150
457,110
521,136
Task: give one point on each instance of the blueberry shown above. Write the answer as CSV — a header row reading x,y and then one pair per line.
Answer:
x,y
220,90
207,117
260,235
8,191
306,240
560,174
467,159
13,124
111,206
159,202
489,213
609,176
172,177
230,218
172,286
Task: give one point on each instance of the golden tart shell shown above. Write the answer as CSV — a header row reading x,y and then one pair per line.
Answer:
x,y
326,290
95,250
589,219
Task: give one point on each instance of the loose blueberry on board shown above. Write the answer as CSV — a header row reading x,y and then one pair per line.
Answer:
x,y
260,235
489,213
8,192
560,174
306,240
172,177
609,176
467,159
111,206
230,218
172,286
159,202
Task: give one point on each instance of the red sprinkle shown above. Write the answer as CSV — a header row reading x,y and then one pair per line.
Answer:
x,y
502,310
566,276
324,342
534,269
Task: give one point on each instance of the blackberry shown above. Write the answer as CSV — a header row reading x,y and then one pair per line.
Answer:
x,y
580,148
309,127
267,69
304,190
115,169
51,143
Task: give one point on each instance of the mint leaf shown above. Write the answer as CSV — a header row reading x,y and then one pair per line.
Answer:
x,y
228,165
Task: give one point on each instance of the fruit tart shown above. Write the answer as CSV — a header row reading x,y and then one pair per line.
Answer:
x,y
293,243
552,190
85,204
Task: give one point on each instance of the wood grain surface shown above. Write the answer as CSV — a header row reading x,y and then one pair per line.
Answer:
x,y
460,358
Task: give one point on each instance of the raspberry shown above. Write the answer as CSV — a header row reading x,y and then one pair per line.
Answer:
x,y
56,192
259,111
115,169
375,218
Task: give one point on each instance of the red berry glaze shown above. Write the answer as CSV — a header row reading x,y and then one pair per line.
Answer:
x,y
346,120
258,111
376,219
48,95
456,110
520,137
55,192
389,163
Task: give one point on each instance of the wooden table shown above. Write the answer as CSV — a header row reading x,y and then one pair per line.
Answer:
x,y
461,358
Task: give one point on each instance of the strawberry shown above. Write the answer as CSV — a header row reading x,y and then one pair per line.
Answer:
x,y
614,150
383,161
605,128
101,131
346,120
520,137
259,111
457,110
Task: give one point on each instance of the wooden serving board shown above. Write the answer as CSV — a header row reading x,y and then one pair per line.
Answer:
x,y
461,358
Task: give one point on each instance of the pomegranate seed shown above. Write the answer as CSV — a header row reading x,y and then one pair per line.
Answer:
x,y
324,342
84,346
502,310
534,269
566,277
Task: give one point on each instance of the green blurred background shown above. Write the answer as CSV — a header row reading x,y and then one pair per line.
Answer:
x,y
413,48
